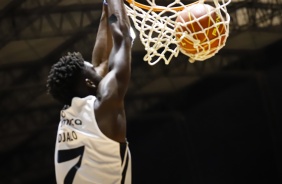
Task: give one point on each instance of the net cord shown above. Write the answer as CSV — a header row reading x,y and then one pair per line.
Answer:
x,y
157,30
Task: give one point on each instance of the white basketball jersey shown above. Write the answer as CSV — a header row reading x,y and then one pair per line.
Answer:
x,y
83,154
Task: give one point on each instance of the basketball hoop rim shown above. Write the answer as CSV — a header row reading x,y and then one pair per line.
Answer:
x,y
157,8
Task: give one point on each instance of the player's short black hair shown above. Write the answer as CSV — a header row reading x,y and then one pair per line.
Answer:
x,y
63,75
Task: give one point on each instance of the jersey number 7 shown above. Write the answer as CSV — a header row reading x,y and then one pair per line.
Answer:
x,y
69,154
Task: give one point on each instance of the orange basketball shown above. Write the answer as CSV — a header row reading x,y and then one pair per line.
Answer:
x,y
199,21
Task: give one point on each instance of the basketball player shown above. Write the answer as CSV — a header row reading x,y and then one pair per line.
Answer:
x,y
91,144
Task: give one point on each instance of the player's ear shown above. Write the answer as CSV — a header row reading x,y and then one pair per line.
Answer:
x,y
89,83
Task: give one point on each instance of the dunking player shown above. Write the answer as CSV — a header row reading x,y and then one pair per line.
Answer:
x,y
91,144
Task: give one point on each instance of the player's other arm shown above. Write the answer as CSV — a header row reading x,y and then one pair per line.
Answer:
x,y
103,44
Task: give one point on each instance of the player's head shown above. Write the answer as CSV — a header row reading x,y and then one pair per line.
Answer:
x,y
72,77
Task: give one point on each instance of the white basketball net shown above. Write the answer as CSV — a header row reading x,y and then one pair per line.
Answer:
x,y
158,30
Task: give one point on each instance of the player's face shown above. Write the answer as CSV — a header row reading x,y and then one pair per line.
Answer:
x,y
91,75
88,81
90,72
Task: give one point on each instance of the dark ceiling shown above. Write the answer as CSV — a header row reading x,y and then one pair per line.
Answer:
x,y
216,121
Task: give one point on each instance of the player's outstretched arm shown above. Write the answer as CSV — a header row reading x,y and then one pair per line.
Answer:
x,y
115,83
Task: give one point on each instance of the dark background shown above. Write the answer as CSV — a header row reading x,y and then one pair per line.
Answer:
x,y
211,122
226,128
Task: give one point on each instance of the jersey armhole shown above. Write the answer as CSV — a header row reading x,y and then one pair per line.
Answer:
x,y
97,126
